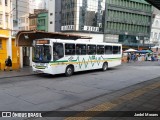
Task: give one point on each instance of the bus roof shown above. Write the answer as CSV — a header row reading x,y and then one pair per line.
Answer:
x,y
25,38
80,41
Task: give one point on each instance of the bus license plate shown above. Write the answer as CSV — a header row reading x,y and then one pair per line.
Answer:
x,y
41,64
39,71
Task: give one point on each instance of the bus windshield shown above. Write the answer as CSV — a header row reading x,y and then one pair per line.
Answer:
x,y
41,53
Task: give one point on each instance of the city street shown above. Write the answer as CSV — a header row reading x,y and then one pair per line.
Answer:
x,y
66,36
80,92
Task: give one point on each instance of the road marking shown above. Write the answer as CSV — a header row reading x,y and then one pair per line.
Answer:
x,y
109,105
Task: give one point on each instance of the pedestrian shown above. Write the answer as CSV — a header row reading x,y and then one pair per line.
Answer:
x,y
128,58
8,64
134,58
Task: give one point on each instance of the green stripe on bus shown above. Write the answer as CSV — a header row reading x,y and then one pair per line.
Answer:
x,y
63,61
91,60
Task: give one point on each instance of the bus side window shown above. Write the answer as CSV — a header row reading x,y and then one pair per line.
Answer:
x,y
81,49
78,50
58,51
91,49
115,49
119,50
100,49
69,49
108,49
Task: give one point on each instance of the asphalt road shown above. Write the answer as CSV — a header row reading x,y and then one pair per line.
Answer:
x,y
52,93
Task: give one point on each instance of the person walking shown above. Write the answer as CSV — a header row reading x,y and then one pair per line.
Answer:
x,y
8,64
135,58
128,58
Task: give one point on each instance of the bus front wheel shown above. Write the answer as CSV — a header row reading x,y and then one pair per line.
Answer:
x,y
69,71
105,66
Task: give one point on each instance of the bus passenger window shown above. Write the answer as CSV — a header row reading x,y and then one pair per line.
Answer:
x,y
80,49
58,51
100,49
91,49
115,49
108,50
119,50
69,49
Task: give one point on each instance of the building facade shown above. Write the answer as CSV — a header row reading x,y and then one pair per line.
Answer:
x,y
155,31
124,21
24,22
33,18
54,12
7,42
130,20
33,21
20,8
78,17
83,15
42,21
37,4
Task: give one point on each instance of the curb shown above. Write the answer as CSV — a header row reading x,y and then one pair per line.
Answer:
x,y
17,76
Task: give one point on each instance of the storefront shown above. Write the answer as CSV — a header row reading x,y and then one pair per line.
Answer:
x,y
8,49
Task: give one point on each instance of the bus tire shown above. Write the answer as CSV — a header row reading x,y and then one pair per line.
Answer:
x,y
69,70
105,66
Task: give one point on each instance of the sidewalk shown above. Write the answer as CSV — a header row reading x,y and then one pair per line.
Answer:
x,y
28,70
142,63
22,72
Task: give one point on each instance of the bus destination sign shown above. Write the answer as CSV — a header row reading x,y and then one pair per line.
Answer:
x,y
42,41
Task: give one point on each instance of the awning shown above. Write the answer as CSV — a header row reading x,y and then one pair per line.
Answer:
x,y
130,50
25,38
144,51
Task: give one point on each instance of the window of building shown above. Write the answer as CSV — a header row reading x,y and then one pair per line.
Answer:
x,y
6,2
155,35
0,19
27,28
27,20
157,23
0,44
32,22
151,35
159,37
41,22
22,19
22,28
7,17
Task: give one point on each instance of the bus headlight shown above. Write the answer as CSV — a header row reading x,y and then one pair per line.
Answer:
x,y
46,64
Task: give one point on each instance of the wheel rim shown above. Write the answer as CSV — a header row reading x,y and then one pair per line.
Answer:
x,y
69,71
105,66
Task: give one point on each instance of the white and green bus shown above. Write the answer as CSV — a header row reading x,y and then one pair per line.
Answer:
x,y
56,56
